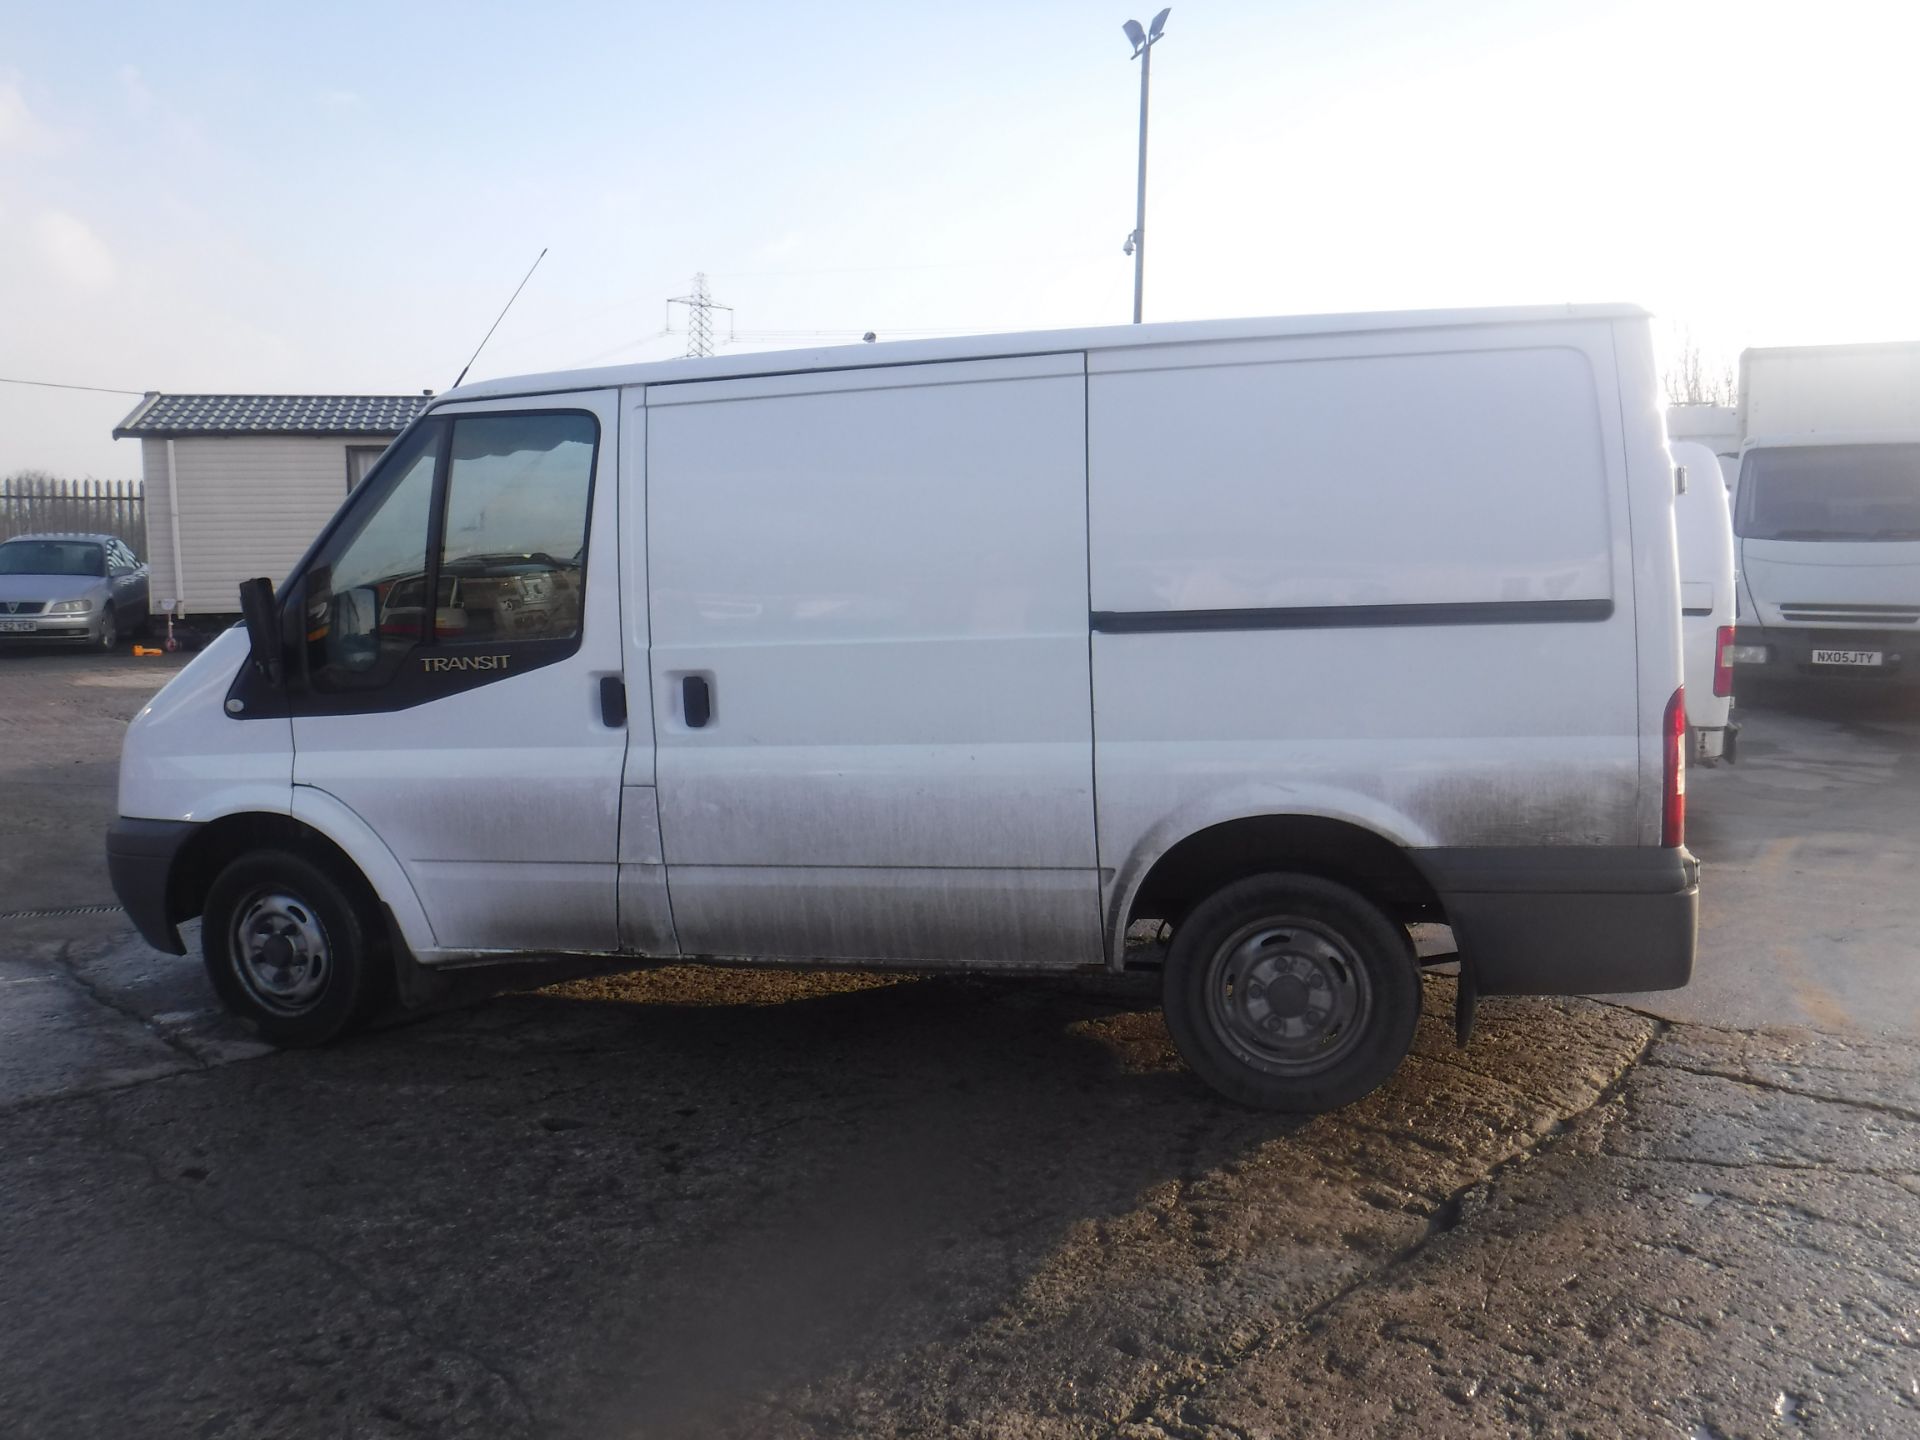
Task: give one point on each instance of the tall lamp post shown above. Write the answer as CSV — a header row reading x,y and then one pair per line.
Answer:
x,y
1136,246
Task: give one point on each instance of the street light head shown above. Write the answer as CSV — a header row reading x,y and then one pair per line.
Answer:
x,y
1159,24
1127,249
1135,34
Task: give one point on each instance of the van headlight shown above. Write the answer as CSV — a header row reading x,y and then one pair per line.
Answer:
x,y
69,607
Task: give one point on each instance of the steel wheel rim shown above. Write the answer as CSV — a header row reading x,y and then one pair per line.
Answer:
x,y
109,632
1288,995
280,952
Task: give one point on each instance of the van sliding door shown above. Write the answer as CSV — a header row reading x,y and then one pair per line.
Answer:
x,y
870,670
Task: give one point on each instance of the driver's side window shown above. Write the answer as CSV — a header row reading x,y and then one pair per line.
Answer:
x,y
516,529
510,493
365,601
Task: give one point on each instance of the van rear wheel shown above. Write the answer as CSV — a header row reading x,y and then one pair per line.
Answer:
x,y
288,947
1293,993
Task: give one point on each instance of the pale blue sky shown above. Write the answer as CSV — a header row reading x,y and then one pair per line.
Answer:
x,y
228,196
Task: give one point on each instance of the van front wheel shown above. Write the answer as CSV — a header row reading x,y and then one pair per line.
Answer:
x,y
1289,992
287,948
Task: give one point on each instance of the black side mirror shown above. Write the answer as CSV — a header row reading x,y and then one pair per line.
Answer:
x,y
263,627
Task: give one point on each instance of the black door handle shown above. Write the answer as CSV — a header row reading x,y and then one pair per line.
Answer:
x,y
696,701
613,702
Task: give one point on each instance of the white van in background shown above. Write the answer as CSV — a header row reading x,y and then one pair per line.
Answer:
x,y
972,653
1703,522
1715,426
1827,511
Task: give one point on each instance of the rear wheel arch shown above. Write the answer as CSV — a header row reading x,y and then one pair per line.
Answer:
x,y
1214,856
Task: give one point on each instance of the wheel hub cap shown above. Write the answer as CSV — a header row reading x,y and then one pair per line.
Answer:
x,y
1289,996
280,952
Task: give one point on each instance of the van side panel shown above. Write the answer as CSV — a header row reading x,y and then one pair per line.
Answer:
x,y
1414,556
873,583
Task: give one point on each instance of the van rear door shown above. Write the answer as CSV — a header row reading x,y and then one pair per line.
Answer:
x,y
870,669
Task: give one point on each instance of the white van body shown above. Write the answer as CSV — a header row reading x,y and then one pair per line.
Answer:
x,y
1827,514
973,652
1703,521
1715,426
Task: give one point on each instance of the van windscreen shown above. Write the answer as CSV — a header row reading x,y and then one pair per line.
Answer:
x,y
1830,492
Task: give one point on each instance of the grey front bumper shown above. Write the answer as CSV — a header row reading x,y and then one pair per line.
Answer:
x,y
140,856
1570,920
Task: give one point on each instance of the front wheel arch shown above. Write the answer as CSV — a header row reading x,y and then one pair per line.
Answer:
x,y
220,842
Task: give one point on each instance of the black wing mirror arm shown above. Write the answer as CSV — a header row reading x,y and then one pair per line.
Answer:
x,y
263,628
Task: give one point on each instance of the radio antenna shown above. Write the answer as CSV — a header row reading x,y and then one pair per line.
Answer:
x,y
501,316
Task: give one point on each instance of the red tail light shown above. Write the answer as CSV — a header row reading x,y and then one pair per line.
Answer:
x,y
1673,808
1722,666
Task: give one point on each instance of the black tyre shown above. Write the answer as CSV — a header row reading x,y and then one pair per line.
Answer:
x,y
1289,992
109,632
289,947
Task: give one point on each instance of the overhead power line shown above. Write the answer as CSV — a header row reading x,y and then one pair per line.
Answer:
x,y
62,385
888,332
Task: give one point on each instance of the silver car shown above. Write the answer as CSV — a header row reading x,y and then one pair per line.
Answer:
x,y
75,589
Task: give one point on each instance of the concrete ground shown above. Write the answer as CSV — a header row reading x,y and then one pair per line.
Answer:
x,y
715,1202
1812,843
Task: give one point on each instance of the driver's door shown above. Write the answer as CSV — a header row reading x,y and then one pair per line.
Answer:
x,y
458,623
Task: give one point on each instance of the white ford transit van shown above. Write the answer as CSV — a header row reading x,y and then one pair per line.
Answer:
x,y
1284,633
1703,521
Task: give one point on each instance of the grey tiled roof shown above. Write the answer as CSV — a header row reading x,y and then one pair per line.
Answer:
x,y
159,415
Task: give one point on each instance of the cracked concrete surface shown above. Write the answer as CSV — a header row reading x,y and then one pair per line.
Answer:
x,y
933,1207
1723,1248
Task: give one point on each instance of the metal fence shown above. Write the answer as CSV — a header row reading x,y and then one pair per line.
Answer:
x,y
30,503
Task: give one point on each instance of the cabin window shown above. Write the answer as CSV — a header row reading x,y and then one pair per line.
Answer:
x,y
516,527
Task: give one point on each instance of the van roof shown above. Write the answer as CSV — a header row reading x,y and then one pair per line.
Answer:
x,y
1034,342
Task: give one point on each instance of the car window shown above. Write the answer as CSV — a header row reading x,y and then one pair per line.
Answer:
x,y
367,600
53,557
516,529
509,494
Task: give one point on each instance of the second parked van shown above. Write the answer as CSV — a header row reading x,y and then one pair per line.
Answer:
x,y
1284,634
1703,525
